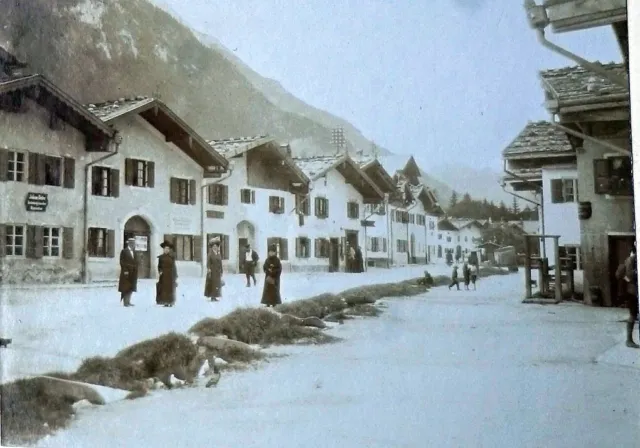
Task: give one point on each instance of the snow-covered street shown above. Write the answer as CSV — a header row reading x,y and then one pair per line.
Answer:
x,y
445,369
54,330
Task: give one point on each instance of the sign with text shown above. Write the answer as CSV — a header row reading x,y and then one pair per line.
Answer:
x,y
36,202
182,224
142,243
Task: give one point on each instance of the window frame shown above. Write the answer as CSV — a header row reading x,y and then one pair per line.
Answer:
x,y
47,242
15,172
93,250
13,235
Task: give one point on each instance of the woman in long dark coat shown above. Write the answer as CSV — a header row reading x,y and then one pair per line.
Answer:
x,y
213,283
166,287
272,269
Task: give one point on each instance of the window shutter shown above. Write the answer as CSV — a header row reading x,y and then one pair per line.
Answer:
x,y
69,171
3,240
197,248
111,243
317,207
225,195
173,190
151,174
326,208
34,242
556,191
602,180
298,248
67,243
225,247
284,248
115,183
128,171
575,190
193,194
33,168
343,243
316,248
384,244
4,164
253,197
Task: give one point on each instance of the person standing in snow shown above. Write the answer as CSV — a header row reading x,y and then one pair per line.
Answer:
x,y
167,276
454,277
631,278
358,260
351,259
273,269
213,284
473,274
128,280
466,275
250,262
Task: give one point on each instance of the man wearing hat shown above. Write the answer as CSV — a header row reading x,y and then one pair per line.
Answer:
x,y
250,262
128,281
213,284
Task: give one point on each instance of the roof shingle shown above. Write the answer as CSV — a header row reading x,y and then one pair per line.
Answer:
x,y
316,166
538,137
109,110
576,84
231,146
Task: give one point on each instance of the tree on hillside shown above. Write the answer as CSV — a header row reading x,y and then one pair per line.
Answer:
x,y
502,211
454,199
466,198
515,208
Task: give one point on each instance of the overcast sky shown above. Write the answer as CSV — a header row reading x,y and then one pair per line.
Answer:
x,y
450,81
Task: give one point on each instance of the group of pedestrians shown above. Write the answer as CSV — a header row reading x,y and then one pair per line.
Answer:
x,y
355,260
168,274
469,274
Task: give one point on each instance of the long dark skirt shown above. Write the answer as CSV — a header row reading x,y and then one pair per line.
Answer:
x,y
166,290
271,293
213,287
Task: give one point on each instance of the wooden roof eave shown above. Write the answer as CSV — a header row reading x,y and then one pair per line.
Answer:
x,y
389,184
347,161
288,161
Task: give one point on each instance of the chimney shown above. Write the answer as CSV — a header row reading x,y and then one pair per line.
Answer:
x,y
286,147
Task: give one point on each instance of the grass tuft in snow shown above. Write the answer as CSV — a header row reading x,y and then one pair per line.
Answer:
x,y
365,310
318,306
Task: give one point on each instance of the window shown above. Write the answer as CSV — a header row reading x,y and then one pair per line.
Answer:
x,y
105,181
16,168
402,216
458,238
182,191
247,196
374,209
432,225
50,242
353,210
613,176
570,254
564,190
218,194
303,247
466,238
421,220
185,250
322,207
412,218
439,236
276,205
14,240
384,244
448,239
282,247
224,244
101,242
302,204
376,244
322,248
52,171
402,246
139,173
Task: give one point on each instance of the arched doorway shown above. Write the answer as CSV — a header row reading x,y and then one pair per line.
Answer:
x,y
246,235
138,228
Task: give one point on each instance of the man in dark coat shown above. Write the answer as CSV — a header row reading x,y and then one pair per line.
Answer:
x,y
168,277
213,284
128,281
250,262
358,260
631,279
454,278
272,269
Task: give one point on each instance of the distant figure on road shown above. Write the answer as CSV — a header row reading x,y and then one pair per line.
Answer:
x,y
631,278
358,260
466,275
250,262
473,273
213,283
167,276
454,277
272,269
128,281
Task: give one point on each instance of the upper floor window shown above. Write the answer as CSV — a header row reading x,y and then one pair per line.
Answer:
x,y
276,205
105,181
353,210
564,190
247,196
432,225
139,173
412,218
570,255
421,220
16,166
439,236
218,194
302,204
613,176
322,207
182,191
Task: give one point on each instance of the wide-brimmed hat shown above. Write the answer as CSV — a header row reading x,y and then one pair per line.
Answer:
x,y
130,239
168,244
214,241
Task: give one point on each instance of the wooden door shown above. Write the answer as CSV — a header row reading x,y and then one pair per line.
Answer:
x,y
334,255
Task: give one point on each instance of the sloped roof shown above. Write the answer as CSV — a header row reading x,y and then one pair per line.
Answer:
x,y
316,167
165,120
47,94
374,169
577,85
394,163
230,147
446,224
461,223
539,137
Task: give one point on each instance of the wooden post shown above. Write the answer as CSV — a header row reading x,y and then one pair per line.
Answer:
x,y
527,267
556,248
544,275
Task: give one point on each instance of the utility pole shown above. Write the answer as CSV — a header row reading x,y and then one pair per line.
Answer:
x,y
338,140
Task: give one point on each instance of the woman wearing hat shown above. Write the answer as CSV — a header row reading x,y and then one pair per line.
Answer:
x,y
272,268
213,283
168,275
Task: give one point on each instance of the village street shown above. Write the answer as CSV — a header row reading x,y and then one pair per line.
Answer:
x,y
55,329
445,369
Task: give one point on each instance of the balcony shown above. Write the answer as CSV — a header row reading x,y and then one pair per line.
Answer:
x,y
573,15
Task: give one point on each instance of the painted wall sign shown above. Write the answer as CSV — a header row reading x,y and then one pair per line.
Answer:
x,y
36,202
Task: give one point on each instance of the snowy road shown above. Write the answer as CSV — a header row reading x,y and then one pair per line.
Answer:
x,y
447,369
54,330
